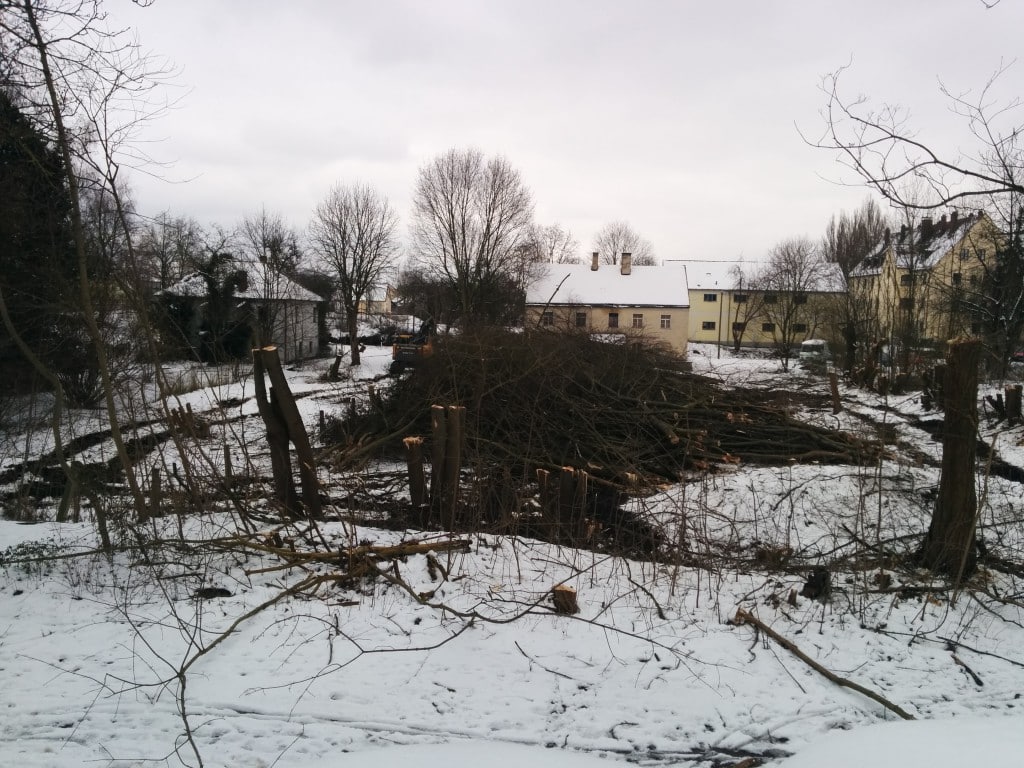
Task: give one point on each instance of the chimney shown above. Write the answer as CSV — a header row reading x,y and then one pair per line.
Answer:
x,y
927,229
594,261
888,236
954,219
627,262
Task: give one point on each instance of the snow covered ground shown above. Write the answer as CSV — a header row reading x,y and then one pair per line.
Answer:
x,y
654,670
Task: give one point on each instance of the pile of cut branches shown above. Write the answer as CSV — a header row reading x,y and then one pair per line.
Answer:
x,y
549,400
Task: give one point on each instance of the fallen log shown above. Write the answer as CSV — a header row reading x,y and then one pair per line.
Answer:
x,y
743,617
294,558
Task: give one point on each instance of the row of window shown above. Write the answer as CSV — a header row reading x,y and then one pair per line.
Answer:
x,y
548,318
769,298
956,278
710,325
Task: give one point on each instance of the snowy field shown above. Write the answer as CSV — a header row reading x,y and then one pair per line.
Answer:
x,y
118,662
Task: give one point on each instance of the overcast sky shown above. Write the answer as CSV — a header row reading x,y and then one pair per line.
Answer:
x,y
679,117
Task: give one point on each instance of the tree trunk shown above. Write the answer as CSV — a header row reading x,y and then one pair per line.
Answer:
x,y
439,436
833,385
277,438
949,547
1013,402
417,482
452,465
352,315
295,430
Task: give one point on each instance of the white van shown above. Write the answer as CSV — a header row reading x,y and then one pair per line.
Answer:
x,y
815,350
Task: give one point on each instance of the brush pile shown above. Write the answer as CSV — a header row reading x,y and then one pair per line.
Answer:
x,y
541,400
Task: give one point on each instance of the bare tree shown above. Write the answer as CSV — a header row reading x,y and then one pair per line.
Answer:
x,y
747,303
471,216
794,270
265,239
884,151
882,148
552,244
618,237
89,88
849,239
354,230
168,247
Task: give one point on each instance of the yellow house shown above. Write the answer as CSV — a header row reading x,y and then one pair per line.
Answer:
x,y
379,302
733,303
919,284
641,302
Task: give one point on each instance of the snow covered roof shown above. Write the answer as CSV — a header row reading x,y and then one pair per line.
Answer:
x,y
718,275
920,247
262,284
644,286
732,275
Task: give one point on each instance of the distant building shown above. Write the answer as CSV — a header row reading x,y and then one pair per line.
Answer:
x,y
379,302
921,282
265,307
642,302
731,303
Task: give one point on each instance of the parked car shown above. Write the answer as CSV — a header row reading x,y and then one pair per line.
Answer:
x,y
815,350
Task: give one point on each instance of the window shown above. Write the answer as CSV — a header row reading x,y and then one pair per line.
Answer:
x,y
963,254
581,319
638,320
740,298
548,318
906,303
799,327
666,322
710,297
800,298
771,298
981,254
707,325
957,278
906,279
613,319
739,327
768,327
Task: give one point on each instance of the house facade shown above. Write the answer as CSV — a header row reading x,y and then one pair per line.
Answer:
x,y
649,303
259,307
920,283
733,303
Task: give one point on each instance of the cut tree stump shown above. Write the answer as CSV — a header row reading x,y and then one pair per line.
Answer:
x,y
949,547
417,481
1013,402
564,599
284,423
